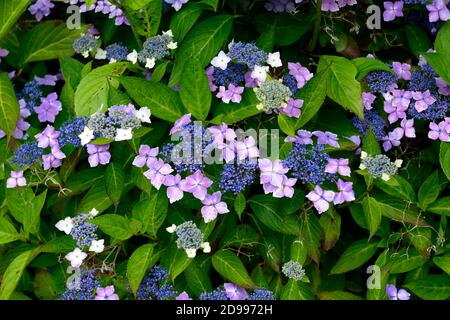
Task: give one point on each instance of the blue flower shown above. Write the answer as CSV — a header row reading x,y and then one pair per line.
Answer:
x,y
234,73
116,52
154,286
381,81
83,232
373,121
83,288
70,130
261,294
217,294
27,154
235,177
247,53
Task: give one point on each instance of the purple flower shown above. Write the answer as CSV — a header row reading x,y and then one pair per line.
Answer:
x,y
106,293
292,108
330,5
392,10
392,139
301,74
423,100
157,173
321,198
176,4
302,137
174,190
327,137
16,180
402,70
235,292
41,9
438,11
285,188
209,73
3,53
395,294
443,87
233,93
48,137
47,80
50,161
213,206
439,131
272,172
49,108
220,134
408,128
180,123
98,154
338,166
247,148
368,98
197,184
345,192
250,82
146,156
397,104
183,296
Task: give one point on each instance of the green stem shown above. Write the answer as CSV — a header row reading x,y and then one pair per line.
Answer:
x,y
317,25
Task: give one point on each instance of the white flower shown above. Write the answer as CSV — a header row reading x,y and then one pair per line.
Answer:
x,y
150,63
97,246
86,136
144,114
133,57
171,229
76,257
93,212
168,33
259,73
191,253
274,60
398,163
65,225
112,61
221,61
362,166
101,54
385,177
172,45
363,154
206,247
85,54
124,134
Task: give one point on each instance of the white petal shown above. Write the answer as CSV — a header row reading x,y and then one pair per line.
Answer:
x,y
171,229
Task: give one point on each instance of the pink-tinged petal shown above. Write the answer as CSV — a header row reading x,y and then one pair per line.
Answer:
x,y
209,213
139,161
391,291
21,182
313,196
93,160
11,183
403,294
328,195
174,194
321,205
222,208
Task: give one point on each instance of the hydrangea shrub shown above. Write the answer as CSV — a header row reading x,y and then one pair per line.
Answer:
x,y
224,150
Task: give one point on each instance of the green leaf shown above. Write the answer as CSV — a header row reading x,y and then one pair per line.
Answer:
x,y
235,112
96,198
84,179
202,42
31,219
431,188
197,279
442,43
239,204
10,12
370,144
183,20
342,87
444,158
151,212
9,107
44,285
366,65
401,211
114,225
310,234
337,295
18,201
47,41
372,212
355,256
313,95
266,210
138,264
92,93
8,232
294,290
164,102
14,272
71,70
299,251
398,187
418,39
441,206
288,28
194,89
229,266
443,262
114,182
136,4
404,261
330,222
440,63
176,261
432,287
